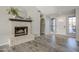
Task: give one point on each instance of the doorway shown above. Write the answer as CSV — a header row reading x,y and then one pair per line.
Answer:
x,y
71,26
42,25
53,25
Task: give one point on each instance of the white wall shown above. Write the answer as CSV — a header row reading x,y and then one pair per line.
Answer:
x,y
77,24
47,25
4,26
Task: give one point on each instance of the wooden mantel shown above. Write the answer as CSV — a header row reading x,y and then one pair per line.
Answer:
x,y
21,20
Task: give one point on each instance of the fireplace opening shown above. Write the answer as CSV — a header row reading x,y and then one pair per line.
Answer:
x,y
20,31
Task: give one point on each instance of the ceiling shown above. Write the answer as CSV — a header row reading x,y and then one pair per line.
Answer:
x,y
56,9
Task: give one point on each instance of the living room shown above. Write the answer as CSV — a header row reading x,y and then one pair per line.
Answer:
x,y
33,26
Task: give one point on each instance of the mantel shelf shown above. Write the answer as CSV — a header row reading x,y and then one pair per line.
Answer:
x,y
20,20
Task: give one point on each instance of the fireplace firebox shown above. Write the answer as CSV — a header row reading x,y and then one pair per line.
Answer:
x,y
20,31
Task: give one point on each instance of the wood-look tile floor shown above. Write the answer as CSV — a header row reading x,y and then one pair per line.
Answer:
x,y
48,43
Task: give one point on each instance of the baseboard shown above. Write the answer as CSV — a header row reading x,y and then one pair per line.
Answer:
x,y
49,33
5,43
36,35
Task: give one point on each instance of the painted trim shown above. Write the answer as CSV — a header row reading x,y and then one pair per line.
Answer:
x,y
5,43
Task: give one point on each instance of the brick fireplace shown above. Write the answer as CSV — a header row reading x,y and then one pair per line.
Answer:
x,y
20,31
